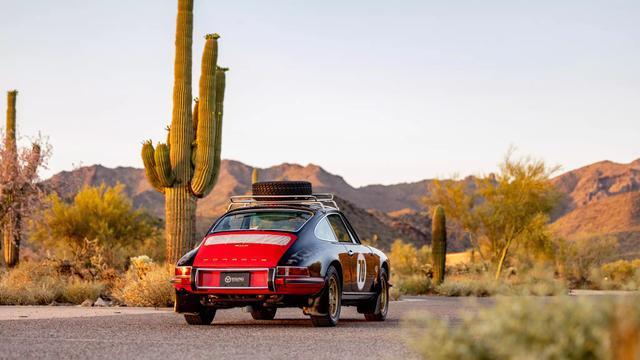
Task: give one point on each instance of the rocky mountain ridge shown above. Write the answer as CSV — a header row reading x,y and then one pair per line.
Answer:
x,y
601,198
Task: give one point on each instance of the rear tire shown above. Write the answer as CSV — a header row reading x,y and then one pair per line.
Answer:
x,y
264,314
331,301
203,317
377,309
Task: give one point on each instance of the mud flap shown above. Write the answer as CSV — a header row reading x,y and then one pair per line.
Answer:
x,y
187,303
316,306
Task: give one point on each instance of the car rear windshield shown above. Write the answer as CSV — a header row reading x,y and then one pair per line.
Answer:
x,y
277,220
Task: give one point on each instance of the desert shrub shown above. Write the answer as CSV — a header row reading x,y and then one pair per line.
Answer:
x,y
406,259
415,284
77,291
102,215
410,269
533,328
40,283
145,284
536,282
578,257
622,270
478,286
617,275
468,268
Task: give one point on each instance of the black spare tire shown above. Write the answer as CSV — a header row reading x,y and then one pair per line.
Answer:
x,y
281,188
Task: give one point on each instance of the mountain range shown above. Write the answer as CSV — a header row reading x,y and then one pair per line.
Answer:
x,y
601,198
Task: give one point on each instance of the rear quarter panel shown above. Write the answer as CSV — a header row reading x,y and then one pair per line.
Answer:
x,y
312,252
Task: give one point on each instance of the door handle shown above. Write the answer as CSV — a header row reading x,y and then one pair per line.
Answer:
x,y
350,252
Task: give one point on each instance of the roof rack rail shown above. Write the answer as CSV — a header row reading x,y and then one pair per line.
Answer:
x,y
322,200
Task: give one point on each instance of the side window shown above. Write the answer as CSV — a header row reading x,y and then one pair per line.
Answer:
x,y
323,231
352,231
339,228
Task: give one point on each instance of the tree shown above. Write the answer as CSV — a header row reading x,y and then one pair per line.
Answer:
x,y
501,211
101,218
19,191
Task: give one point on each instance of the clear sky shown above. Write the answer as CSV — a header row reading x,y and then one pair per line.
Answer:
x,y
376,91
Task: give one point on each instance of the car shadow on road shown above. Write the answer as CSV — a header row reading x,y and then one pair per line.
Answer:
x,y
305,323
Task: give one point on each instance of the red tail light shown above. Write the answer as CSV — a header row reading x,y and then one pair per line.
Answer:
x,y
183,271
292,271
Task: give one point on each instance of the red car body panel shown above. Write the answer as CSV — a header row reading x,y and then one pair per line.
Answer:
x,y
243,249
250,251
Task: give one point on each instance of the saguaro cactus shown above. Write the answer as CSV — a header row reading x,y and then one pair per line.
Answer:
x,y
11,220
17,184
439,244
186,167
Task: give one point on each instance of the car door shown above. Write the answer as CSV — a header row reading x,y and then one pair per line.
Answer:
x,y
371,261
355,261
368,261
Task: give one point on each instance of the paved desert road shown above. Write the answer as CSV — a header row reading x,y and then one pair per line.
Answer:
x,y
119,333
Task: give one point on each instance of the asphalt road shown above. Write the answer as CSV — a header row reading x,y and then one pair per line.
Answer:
x,y
118,333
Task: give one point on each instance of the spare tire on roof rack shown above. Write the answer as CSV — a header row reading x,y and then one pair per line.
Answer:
x,y
281,188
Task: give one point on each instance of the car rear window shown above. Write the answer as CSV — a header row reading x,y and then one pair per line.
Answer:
x,y
277,220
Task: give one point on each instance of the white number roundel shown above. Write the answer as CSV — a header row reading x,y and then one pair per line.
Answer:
x,y
361,271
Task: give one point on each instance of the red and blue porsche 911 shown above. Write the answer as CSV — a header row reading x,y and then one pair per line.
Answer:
x,y
282,246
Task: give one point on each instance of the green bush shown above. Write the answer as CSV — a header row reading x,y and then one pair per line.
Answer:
x,y
533,328
102,217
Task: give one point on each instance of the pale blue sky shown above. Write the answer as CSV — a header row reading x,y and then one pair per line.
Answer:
x,y
376,91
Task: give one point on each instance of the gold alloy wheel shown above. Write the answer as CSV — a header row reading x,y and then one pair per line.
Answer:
x,y
333,297
384,296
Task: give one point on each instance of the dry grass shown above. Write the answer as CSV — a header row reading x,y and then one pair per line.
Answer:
x,y
459,258
145,284
40,283
536,282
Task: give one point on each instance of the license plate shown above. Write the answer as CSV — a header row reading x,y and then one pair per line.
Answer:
x,y
235,279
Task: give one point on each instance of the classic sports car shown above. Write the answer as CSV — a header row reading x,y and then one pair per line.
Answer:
x,y
282,246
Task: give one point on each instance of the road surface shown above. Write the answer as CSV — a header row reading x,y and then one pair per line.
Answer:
x,y
119,333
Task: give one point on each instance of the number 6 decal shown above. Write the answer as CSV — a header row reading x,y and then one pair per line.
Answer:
x,y
361,271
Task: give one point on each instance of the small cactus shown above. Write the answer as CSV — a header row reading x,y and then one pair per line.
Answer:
x,y
439,244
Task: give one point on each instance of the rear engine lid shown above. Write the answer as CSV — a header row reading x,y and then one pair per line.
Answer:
x,y
243,249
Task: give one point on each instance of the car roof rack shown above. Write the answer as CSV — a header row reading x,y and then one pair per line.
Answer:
x,y
322,200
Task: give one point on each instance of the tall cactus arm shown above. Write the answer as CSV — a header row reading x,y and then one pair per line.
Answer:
x,y
10,136
148,159
163,165
220,85
205,138
195,116
10,162
194,144
181,134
